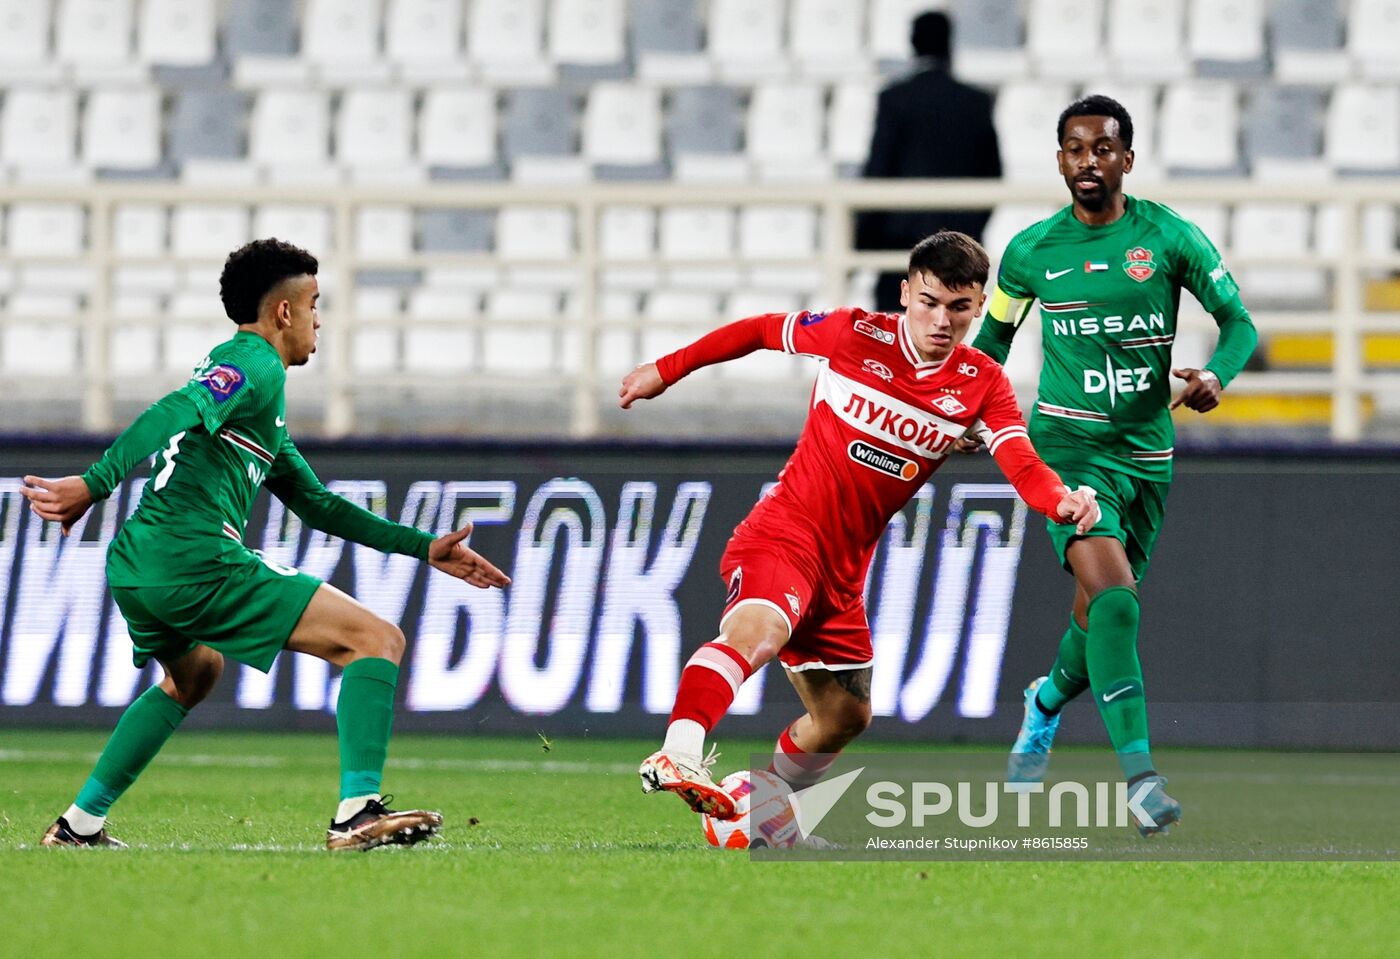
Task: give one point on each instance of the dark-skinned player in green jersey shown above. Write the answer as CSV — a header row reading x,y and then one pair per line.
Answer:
x,y
192,593
1108,271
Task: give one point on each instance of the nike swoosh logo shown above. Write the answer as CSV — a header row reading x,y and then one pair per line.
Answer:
x,y
281,422
1056,276
1110,697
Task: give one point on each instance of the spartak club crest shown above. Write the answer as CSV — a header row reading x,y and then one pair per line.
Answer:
x,y
1139,264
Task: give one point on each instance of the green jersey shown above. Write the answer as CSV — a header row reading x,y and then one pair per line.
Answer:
x,y
219,439
1108,306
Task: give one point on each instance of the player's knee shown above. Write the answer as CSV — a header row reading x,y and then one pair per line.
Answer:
x,y
1115,608
841,726
390,643
855,719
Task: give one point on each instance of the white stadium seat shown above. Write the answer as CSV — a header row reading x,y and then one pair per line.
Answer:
x,y
1145,38
522,306
826,39
746,38
697,232
45,229
438,349
1373,38
121,129
134,350
21,344
177,32
418,32
1026,115
374,128
208,230
672,306
443,304
374,350
340,31
1065,38
777,232
851,121
622,124
627,232
889,23
589,32
306,225
506,38
1200,127
139,229
290,128
38,128
24,41
457,127
1226,30
1363,128
94,31
534,233
384,231
1276,229
378,304
785,122
505,350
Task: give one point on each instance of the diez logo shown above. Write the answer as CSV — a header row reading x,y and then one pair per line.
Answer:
x,y
948,406
881,461
879,369
967,369
874,332
222,381
1139,264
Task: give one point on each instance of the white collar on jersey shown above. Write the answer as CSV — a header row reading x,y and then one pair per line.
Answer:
x,y
922,367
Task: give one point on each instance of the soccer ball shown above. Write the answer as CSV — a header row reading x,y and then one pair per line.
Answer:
x,y
771,824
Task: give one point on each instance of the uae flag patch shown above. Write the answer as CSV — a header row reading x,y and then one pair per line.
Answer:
x,y
1139,264
1095,266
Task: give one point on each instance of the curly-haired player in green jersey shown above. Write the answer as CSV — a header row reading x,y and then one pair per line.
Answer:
x,y
192,593
1108,271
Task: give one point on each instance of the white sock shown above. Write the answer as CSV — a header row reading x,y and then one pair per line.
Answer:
x,y
685,736
84,823
351,806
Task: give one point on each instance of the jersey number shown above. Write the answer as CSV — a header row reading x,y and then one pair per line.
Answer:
x,y
169,452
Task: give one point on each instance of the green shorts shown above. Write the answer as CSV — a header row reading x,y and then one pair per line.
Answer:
x,y
1133,510
248,615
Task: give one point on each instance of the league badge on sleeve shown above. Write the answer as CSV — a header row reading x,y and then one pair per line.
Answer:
x,y
222,381
1139,264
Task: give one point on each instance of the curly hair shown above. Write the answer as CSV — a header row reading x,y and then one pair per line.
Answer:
x,y
1098,106
955,258
253,270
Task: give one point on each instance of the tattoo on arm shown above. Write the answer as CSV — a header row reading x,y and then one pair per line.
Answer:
x,y
854,681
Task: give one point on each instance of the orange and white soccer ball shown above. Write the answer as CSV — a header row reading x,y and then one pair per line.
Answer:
x,y
770,824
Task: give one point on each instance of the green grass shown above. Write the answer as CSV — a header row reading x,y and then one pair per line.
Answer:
x,y
569,859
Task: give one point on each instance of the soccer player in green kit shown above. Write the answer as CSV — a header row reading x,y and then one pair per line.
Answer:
x,y
1108,271
192,593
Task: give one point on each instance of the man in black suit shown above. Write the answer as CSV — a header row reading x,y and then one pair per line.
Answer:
x,y
927,125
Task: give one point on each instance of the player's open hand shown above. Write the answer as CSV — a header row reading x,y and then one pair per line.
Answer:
x,y
58,500
450,554
643,383
1202,392
1081,508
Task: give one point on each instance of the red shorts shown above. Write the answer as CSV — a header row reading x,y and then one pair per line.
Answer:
x,y
827,629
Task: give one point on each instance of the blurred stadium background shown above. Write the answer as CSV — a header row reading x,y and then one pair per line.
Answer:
x,y
516,201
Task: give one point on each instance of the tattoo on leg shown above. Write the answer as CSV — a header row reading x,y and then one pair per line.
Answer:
x,y
854,681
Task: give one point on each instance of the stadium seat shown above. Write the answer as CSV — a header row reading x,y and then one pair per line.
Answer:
x,y
522,306
1307,41
769,232
1226,38
1284,230
1363,129
534,233
21,342
1373,38
208,230
207,124
784,123
1026,115
851,123
745,39
665,26
139,229
505,39
261,28
1145,39
424,39
374,128
383,232
24,41
290,128
987,42
627,232
696,232
177,32
889,25
1065,39
94,32
454,231
134,350
539,123
622,125
337,32
38,128
617,352
1283,132
457,128
826,38
431,303
1200,128
672,306
38,229
306,225
587,32
121,129
374,350
506,350
378,304
704,120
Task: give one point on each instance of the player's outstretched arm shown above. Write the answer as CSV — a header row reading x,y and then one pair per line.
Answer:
x,y
729,342
66,500
643,383
449,553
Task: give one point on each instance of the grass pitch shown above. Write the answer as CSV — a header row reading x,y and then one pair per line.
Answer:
x,y
569,859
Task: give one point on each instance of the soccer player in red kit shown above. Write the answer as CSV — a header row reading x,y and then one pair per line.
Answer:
x,y
893,394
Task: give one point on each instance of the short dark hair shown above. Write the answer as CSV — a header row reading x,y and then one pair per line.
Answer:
x,y
1098,106
254,270
955,258
932,35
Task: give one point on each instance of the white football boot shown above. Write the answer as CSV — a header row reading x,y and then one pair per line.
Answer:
x,y
688,776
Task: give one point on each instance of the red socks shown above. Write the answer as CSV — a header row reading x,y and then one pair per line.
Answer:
x,y
797,768
709,683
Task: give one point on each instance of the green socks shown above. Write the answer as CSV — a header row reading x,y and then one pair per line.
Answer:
x,y
140,734
1070,675
364,715
1115,674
